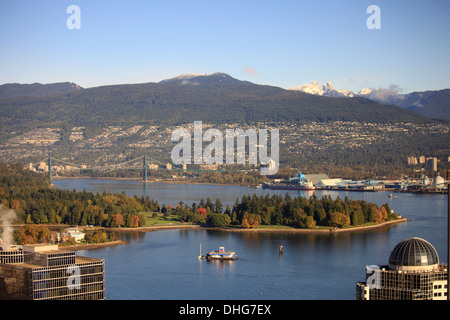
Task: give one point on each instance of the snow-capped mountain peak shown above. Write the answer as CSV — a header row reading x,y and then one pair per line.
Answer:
x,y
323,90
365,91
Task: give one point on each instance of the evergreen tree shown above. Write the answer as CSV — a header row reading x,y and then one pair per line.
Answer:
x,y
218,207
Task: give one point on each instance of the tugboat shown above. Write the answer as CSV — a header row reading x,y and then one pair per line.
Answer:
x,y
220,255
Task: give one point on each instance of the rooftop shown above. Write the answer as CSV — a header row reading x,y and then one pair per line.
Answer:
x,y
414,254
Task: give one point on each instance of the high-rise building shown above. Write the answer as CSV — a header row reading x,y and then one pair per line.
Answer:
x,y
432,164
413,273
412,160
43,272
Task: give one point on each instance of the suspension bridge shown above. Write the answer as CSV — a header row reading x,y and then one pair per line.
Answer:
x,y
140,163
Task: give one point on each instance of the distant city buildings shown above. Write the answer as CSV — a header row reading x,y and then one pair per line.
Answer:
x,y
40,137
108,145
77,133
412,161
430,162
213,166
43,166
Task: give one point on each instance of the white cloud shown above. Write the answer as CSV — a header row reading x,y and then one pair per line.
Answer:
x,y
250,71
384,94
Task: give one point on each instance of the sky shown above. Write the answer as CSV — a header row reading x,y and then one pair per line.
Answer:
x,y
279,43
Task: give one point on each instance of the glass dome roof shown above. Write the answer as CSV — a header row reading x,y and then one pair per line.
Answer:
x,y
413,254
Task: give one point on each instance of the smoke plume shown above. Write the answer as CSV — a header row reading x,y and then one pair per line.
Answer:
x,y
7,216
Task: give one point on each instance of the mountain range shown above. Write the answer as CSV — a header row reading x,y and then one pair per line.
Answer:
x,y
432,104
214,98
12,90
107,123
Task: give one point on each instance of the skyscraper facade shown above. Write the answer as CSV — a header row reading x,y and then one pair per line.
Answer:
x,y
43,272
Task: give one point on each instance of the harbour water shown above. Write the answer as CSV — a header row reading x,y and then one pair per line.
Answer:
x,y
164,265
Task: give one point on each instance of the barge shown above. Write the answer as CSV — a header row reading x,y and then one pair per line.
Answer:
x,y
220,255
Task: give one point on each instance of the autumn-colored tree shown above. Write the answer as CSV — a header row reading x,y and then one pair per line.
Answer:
x,y
30,234
135,221
378,217
97,236
310,222
15,205
118,220
250,220
383,213
202,211
339,220
27,239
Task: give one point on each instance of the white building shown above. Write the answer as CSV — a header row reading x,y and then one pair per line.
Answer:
x,y
439,182
74,233
324,183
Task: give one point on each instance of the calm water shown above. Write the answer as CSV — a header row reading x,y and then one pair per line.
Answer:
x,y
164,264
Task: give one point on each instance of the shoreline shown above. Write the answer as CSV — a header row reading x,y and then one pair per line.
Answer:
x,y
159,181
324,230
157,228
91,246
285,230
424,192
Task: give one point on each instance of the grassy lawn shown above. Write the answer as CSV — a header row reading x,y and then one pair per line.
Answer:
x,y
160,219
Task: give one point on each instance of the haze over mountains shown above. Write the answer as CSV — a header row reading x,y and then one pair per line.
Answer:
x,y
432,104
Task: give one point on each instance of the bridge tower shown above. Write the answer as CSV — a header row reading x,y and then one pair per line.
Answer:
x,y
50,169
144,173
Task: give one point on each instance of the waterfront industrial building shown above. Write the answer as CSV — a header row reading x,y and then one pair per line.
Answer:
x,y
43,272
413,273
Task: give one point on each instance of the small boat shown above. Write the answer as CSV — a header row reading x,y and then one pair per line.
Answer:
x,y
221,255
390,195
